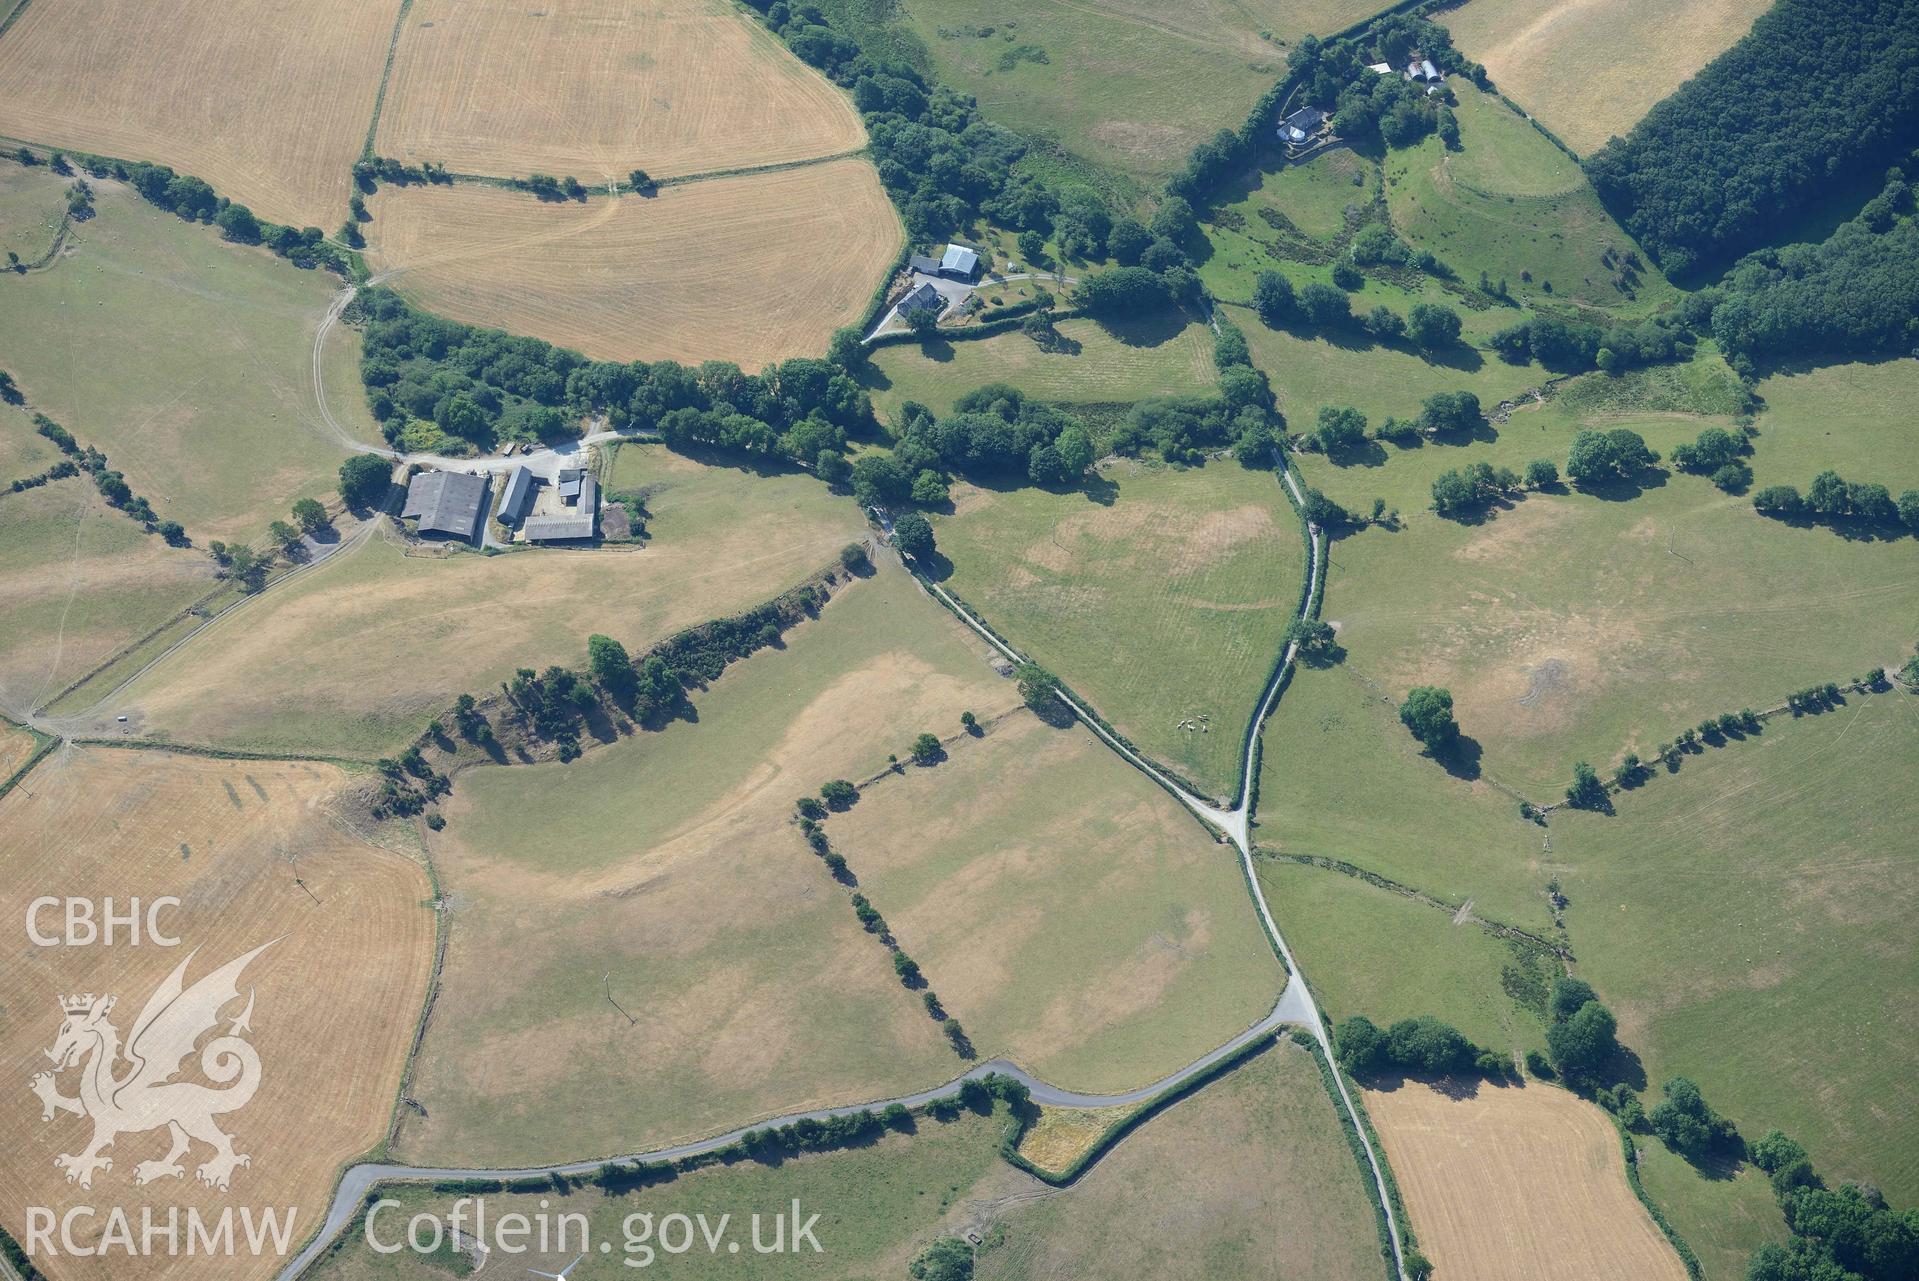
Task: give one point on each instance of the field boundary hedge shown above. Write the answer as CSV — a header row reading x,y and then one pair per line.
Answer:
x,y
1631,1153
1122,1126
1310,1044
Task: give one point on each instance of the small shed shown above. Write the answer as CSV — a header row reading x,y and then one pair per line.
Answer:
x,y
447,504
571,480
922,265
1423,71
1380,68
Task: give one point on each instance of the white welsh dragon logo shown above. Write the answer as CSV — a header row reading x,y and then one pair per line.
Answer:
x,y
143,1096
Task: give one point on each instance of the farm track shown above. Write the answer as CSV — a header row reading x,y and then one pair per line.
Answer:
x,y
1296,1005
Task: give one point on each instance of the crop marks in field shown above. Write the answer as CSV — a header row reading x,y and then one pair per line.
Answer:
x,y
1509,1183
670,861
1590,69
267,102
187,361
597,88
1163,603
248,849
1079,921
752,269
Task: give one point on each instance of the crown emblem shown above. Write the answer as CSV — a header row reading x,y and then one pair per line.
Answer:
x,y
84,1004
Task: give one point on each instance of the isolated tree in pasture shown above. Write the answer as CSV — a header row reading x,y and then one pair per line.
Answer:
x,y
1428,714
927,750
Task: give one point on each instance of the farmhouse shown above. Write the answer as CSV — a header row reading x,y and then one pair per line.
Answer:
x,y
925,298
1301,125
517,496
447,504
578,516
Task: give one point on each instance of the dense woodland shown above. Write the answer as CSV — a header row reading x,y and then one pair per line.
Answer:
x,y
1857,293
1819,95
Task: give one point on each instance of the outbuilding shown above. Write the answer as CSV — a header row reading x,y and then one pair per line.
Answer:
x,y
959,262
517,495
576,524
447,504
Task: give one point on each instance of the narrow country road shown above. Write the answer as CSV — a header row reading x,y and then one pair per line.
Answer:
x,y
361,1179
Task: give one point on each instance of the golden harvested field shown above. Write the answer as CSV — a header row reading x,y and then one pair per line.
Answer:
x,y
1518,1183
80,580
1590,69
356,657
268,102
670,862
335,993
1080,922
751,269
597,88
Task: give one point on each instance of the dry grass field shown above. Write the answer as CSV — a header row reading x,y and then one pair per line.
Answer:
x,y
597,88
1590,69
1514,1183
187,360
354,659
80,580
267,102
337,991
1081,923
751,269
670,862
1160,594
1249,1177
16,745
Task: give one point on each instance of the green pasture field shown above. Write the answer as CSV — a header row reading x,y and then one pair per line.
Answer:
x,y
1340,778
1100,363
1785,867
1219,1185
80,580
669,863
1855,418
1508,203
1160,595
356,657
23,451
1070,914
1574,626
1128,85
1724,1213
1307,372
877,1206
185,359
1373,952
31,204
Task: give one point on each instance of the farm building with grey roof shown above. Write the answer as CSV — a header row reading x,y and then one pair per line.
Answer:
x,y
447,504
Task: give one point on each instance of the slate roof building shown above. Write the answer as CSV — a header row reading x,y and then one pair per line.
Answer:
x,y
923,265
580,522
570,482
518,494
447,504
925,298
1301,125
